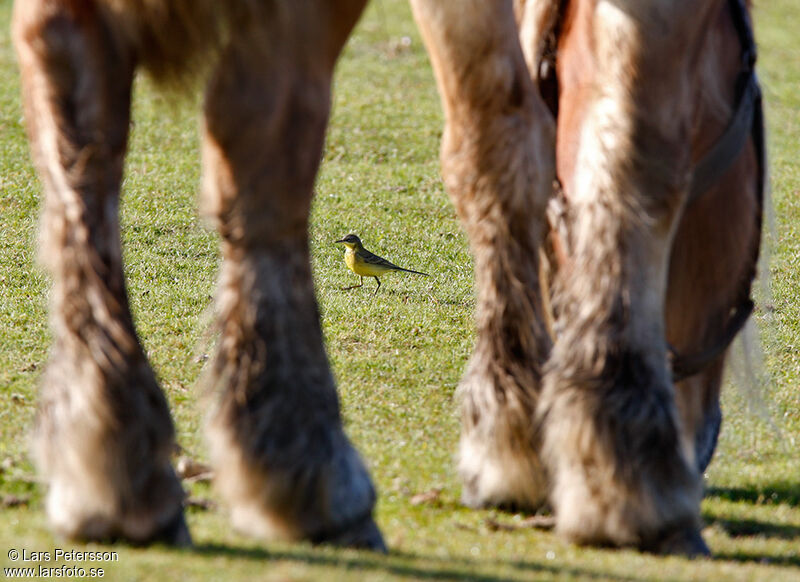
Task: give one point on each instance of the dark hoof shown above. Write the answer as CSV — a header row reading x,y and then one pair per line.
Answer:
x,y
684,542
706,439
175,532
363,535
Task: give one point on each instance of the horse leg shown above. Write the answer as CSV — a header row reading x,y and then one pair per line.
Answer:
x,y
612,439
103,434
283,462
498,164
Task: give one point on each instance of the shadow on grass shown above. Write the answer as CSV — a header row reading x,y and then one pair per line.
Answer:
x,y
783,493
736,528
458,568
772,494
746,557
422,568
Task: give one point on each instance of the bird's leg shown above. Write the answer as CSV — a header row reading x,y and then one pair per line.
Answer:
x,y
378,287
354,286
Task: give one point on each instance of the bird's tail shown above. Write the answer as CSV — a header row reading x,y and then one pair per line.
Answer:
x,y
410,271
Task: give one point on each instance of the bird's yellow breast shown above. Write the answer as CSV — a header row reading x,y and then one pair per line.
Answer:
x,y
361,267
350,260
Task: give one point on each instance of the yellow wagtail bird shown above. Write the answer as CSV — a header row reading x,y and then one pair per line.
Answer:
x,y
366,264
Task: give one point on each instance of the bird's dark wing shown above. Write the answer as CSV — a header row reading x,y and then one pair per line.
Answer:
x,y
373,259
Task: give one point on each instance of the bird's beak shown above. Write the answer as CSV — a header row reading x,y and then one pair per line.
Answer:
x,y
338,241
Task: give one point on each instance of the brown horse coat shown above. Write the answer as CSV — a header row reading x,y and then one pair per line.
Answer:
x,y
588,418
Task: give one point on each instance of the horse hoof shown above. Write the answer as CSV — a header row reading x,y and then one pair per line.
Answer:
x,y
686,542
175,532
363,535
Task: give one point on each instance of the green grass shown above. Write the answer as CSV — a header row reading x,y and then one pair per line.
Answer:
x,y
397,357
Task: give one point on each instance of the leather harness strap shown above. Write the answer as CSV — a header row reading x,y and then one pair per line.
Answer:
x,y
727,148
686,365
725,151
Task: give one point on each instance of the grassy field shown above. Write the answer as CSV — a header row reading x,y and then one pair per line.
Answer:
x,y
397,357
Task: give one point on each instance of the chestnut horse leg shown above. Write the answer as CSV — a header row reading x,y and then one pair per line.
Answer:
x,y
498,165
103,434
283,462
622,472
